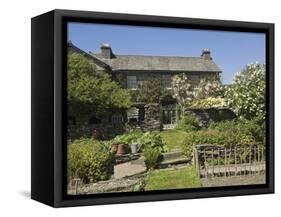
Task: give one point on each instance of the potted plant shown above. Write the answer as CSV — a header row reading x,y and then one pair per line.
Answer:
x,y
119,144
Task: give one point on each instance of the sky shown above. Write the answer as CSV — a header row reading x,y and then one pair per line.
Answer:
x,y
231,51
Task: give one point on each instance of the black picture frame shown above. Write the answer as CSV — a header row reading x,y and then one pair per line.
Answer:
x,y
48,149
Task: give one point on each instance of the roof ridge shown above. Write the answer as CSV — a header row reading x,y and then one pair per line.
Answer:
x,y
140,55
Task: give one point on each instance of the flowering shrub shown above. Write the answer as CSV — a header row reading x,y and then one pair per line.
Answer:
x,y
208,93
209,87
246,96
182,89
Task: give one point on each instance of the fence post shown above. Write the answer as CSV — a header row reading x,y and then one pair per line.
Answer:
x,y
245,160
235,160
205,163
259,161
255,157
250,158
228,163
213,166
195,159
225,161
76,184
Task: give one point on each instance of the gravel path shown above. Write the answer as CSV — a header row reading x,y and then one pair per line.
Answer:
x,y
233,180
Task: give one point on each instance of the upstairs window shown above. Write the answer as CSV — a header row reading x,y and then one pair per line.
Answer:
x,y
132,82
167,81
194,80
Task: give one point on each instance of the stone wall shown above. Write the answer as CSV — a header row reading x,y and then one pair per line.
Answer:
x,y
152,119
97,131
206,116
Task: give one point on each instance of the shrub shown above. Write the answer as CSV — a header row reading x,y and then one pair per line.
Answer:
x,y
228,133
188,123
215,137
246,96
128,138
254,128
146,140
89,160
151,140
151,156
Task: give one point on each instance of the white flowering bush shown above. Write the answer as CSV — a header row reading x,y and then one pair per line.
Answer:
x,y
182,89
246,96
210,87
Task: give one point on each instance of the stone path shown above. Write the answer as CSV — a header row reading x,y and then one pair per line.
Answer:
x,y
129,169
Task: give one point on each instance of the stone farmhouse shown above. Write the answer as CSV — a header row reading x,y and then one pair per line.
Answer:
x,y
137,68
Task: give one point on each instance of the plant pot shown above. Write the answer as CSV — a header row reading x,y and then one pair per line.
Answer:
x,y
121,149
115,147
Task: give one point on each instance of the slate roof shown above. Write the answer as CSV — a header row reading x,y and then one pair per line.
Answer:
x,y
159,63
152,63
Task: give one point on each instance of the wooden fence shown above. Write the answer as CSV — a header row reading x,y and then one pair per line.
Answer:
x,y
214,160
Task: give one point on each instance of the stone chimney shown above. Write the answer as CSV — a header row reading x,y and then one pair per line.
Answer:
x,y
206,54
106,51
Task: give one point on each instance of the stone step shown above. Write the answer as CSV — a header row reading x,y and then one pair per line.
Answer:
x,y
172,155
139,161
118,159
171,162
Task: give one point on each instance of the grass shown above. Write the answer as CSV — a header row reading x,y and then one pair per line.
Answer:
x,y
172,179
173,139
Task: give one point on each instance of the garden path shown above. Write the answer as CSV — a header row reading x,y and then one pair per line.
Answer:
x,y
129,168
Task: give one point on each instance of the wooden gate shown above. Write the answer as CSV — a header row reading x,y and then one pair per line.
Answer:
x,y
213,160
170,115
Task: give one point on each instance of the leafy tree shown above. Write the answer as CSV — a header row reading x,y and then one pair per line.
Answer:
x,y
91,91
246,96
150,91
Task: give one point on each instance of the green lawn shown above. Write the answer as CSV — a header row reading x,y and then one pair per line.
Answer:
x,y
172,179
173,139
